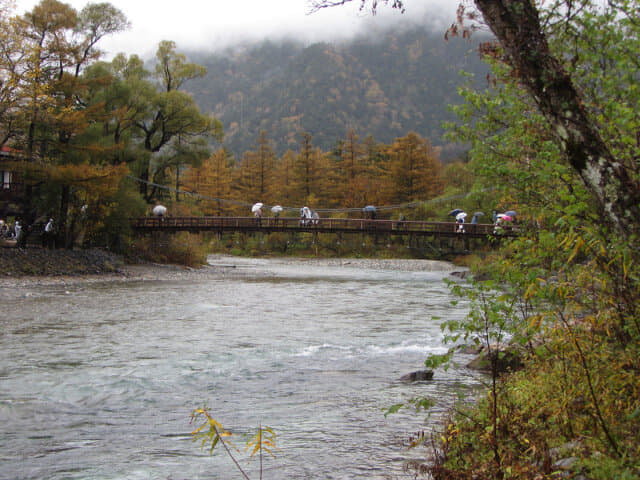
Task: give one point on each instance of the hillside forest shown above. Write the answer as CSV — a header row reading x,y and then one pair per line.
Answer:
x,y
98,142
383,84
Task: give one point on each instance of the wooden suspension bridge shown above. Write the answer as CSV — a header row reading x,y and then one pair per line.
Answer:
x,y
322,225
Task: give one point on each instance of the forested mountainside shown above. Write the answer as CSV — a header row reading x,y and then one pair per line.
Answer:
x,y
384,86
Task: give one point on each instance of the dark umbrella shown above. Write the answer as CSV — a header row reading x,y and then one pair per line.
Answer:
x,y
511,213
369,212
454,212
475,217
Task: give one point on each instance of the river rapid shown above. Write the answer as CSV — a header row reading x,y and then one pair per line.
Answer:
x,y
98,378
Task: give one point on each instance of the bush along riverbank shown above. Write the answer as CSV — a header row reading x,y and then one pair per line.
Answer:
x,y
569,407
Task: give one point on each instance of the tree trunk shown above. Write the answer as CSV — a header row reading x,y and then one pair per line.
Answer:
x,y
516,25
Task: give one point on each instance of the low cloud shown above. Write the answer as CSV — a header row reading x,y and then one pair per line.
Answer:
x,y
207,25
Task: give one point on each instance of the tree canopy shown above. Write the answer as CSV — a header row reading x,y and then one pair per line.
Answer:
x,y
72,117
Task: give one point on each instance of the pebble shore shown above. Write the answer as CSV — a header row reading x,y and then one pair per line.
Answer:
x,y
18,262
37,266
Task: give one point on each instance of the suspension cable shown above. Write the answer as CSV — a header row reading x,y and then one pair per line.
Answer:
x,y
322,210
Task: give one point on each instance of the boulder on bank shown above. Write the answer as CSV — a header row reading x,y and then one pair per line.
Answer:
x,y
418,376
507,359
462,274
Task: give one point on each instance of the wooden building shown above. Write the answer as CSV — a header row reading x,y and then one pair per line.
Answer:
x,y
11,188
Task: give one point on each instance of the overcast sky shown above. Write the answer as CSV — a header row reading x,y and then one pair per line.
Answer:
x,y
213,24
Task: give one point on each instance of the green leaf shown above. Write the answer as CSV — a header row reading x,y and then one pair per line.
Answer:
x,y
394,409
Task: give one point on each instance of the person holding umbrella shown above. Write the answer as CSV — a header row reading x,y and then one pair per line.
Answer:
x,y
369,212
501,223
460,222
305,216
476,216
257,212
276,209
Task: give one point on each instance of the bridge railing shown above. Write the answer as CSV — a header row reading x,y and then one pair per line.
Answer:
x,y
324,225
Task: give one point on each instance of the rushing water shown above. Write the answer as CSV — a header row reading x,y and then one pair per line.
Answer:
x,y
98,380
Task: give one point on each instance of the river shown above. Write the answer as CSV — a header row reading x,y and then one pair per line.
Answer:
x,y
98,379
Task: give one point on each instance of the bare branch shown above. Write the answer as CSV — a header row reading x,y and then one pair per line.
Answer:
x,y
316,5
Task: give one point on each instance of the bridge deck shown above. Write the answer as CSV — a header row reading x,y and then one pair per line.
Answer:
x,y
323,225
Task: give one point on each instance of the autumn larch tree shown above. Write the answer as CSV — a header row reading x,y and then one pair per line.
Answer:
x,y
256,175
415,169
211,182
47,51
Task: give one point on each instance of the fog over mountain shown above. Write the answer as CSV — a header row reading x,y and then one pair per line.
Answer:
x,y
211,25
382,84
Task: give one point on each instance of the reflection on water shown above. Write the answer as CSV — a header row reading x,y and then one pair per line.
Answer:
x,y
98,380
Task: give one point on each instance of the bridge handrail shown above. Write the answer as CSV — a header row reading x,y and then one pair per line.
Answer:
x,y
322,224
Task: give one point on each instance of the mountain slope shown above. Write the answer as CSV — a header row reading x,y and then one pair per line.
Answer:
x,y
384,87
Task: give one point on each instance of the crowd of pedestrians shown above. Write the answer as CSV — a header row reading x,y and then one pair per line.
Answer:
x,y
12,231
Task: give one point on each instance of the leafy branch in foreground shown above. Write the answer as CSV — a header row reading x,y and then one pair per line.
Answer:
x,y
211,431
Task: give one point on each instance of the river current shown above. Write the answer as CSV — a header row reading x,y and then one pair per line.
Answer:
x,y
98,379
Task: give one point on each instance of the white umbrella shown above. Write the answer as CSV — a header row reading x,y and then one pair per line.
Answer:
x,y
461,216
159,210
276,209
256,207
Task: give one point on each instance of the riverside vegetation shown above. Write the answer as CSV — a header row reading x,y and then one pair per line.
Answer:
x,y
567,296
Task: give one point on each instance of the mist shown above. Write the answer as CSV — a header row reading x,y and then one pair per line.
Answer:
x,y
209,25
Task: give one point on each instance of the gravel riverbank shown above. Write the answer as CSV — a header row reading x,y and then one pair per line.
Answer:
x,y
19,262
41,266
37,266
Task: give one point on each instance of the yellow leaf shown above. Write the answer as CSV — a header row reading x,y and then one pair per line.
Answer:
x,y
576,249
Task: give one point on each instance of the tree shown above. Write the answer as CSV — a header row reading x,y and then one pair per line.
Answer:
x,y
212,181
524,43
11,64
256,172
171,128
121,88
284,177
148,123
415,169
46,53
573,280
380,188
95,21
353,172
309,172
